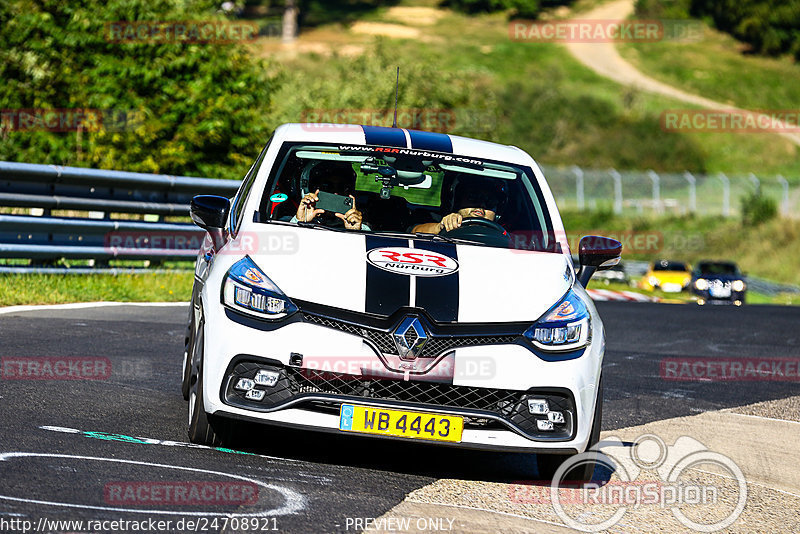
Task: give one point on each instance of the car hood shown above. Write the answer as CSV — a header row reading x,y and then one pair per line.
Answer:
x,y
379,275
721,277
672,277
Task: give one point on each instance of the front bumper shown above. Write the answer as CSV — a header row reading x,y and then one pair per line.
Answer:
x,y
494,405
325,391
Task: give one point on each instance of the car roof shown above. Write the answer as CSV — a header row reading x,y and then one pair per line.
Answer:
x,y
353,134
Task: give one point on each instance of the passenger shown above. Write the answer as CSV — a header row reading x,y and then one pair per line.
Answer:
x,y
332,177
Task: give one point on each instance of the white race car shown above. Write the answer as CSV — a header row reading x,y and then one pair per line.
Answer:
x,y
397,284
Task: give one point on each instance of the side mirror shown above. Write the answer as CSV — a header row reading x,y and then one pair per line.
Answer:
x,y
597,253
210,212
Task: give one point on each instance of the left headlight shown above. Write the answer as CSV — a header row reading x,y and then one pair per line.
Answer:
x,y
567,326
738,285
248,290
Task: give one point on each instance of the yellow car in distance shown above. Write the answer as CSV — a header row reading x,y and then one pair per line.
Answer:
x,y
668,276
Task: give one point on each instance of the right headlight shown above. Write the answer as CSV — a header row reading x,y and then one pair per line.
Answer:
x,y
248,290
566,327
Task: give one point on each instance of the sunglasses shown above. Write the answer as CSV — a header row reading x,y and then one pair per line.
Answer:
x,y
472,198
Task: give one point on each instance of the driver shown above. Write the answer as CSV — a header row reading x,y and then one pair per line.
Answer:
x,y
473,197
336,177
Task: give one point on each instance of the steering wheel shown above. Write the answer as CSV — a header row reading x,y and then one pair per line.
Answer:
x,y
481,230
480,221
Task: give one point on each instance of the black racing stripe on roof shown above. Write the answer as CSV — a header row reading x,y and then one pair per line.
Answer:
x,y
380,135
430,141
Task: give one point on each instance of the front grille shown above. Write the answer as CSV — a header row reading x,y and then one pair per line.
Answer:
x,y
294,384
384,342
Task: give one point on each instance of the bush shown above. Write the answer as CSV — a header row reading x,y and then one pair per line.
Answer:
x,y
771,27
758,209
200,108
521,8
663,9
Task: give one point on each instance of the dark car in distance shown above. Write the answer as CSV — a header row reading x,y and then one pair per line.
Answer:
x,y
718,282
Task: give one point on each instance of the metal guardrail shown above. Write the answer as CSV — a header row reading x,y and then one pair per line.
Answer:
x,y
45,238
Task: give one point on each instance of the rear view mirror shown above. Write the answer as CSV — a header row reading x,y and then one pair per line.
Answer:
x,y
210,212
597,253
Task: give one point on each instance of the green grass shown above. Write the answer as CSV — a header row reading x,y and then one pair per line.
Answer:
x,y
716,67
16,289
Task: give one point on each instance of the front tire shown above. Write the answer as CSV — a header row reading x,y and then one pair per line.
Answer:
x,y
204,429
548,464
188,356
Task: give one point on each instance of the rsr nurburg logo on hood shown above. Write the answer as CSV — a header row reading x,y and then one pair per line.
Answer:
x,y
412,261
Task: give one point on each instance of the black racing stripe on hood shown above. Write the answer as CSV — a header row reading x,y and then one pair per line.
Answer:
x,y
438,295
385,292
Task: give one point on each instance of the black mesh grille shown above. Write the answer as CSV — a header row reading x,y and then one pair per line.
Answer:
x,y
435,345
511,405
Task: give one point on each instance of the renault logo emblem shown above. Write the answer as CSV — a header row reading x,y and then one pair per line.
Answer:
x,y
409,338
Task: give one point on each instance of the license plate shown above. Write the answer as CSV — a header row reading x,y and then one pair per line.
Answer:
x,y
671,288
720,292
400,423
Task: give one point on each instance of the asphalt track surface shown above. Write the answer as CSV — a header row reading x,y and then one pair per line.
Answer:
x,y
310,482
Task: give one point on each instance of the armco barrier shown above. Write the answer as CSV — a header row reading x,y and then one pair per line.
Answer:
x,y
43,239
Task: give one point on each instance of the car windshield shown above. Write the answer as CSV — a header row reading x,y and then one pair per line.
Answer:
x,y
718,268
669,266
408,192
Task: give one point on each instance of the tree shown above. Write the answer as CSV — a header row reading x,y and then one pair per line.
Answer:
x,y
290,13
199,108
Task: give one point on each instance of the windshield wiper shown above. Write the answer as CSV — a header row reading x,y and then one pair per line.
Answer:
x,y
431,237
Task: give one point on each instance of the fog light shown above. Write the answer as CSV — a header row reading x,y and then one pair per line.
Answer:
x,y
543,424
555,417
255,394
244,384
538,406
267,378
